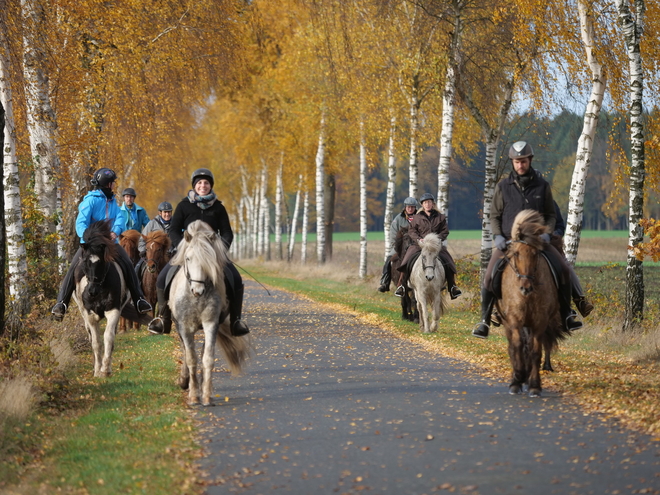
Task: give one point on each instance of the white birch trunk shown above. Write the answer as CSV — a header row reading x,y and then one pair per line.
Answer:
x,y
412,164
16,253
305,228
279,201
320,196
363,203
294,221
264,215
391,183
448,110
631,26
241,228
42,122
586,141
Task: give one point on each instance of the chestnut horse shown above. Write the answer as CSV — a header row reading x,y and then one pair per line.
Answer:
x,y
529,307
157,244
129,241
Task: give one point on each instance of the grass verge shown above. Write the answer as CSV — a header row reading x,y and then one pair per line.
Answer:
x,y
129,433
598,367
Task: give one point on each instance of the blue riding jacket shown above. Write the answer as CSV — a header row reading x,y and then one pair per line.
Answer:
x,y
136,217
94,207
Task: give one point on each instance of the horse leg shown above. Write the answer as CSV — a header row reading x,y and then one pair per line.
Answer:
x,y
208,359
112,318
518,375
95,336
436,310
534,362
122,326
547,350
423,315
191,362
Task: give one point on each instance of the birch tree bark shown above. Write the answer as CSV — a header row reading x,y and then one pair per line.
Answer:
x,y
264,215
391,183
294,220
16,253
448,108
279,200
632,29
3,244
305,228
320,199
41,119
586,140
363,203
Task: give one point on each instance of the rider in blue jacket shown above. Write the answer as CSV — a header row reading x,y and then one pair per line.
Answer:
x,y
100,204
136,217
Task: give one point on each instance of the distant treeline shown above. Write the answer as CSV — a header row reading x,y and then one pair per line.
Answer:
x,y
555,143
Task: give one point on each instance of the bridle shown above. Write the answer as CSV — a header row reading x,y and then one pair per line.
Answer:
x,y
93,279
513,266
207,283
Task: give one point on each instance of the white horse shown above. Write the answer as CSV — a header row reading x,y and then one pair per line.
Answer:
x,y
198,301
427,278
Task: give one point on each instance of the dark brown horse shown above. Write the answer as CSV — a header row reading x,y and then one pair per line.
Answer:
x,y
529,307
129,241
157,244
402,242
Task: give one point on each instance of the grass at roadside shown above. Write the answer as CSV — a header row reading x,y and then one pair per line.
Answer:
x,y
129,433
600,368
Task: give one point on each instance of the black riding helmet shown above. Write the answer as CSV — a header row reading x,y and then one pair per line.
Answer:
x,y
426,196
165,206
103,177
129,191
202,173
521,149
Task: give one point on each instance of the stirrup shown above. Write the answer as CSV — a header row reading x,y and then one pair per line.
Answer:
x,y
156,326
142,306
400,291
454,292
58,311
571,323
481,330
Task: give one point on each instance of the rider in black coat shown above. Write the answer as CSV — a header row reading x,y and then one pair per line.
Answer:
x,y
201,203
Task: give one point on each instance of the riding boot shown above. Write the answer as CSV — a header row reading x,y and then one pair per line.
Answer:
x,y
162,323
238,326
454,291
584,307
487,301
386,277
400,288
141,304
66,289
567,315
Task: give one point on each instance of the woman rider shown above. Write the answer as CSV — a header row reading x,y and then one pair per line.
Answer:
x,y
201,203
100,204
428,220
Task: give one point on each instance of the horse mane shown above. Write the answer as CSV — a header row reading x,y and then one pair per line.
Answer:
x,y
133,236
159,237
201,241
98,241
398,240
432,244
528,226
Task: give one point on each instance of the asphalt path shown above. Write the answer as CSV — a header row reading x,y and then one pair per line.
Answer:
x,y
331,405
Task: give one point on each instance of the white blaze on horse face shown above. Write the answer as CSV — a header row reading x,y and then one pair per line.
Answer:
x,y
94,258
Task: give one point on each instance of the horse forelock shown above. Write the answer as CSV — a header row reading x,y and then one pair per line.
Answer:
x,y
157,236
208,253
432,244
528,226
97,241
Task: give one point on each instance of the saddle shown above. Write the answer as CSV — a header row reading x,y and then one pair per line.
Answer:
x,y
498,268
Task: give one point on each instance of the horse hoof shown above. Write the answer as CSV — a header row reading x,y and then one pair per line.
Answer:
x,y
183,383
208,404
535,392
514,390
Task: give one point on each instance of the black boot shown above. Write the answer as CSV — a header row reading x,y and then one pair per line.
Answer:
x,y
568,318
163,322
141,304
453,290
584,307
66,289
487,301
386,277
238,326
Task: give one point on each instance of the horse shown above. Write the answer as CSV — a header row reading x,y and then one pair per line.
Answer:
x,y
198,301
129,240
157,244
529,306
100,292
402,242
427,278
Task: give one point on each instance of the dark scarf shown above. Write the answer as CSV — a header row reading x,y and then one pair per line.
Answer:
x,y
524,180
203,202
108,193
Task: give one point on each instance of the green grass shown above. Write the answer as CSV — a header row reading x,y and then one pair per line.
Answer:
x,y
129,433
454,235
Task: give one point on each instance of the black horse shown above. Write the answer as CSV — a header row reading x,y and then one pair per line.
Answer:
x,y
100,292
402,242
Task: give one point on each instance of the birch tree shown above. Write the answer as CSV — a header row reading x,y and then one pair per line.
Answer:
x,y
586,140
279,200
294,220
320,198
363,203
305,228
391,183
632,29
16,253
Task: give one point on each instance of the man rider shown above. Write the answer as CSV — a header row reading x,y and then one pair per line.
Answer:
x,y
162,221
402,220
523,189
136,216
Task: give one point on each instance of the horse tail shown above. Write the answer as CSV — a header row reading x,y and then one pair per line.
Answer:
x,y
236,350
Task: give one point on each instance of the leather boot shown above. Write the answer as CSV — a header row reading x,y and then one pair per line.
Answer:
x,y
162,323
238,326
454,291
583,306
568,318
386,277
487,301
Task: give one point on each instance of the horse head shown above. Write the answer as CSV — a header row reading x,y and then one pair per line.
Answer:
x,y
99,250
524,250
431,246
157,244
129,241
203,256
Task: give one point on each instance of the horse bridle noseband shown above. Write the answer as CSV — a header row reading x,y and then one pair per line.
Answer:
x,y
92,280
207,283
515,269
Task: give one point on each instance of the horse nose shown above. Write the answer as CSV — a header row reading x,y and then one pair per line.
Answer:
x,y
430,277
526,290
197,291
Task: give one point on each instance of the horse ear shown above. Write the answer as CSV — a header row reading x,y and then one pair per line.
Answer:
x,y
187,236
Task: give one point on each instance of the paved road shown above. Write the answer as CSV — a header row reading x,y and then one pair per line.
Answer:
x,y
329,405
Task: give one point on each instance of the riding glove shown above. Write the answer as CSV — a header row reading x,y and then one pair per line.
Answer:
x,y
545,238
500,242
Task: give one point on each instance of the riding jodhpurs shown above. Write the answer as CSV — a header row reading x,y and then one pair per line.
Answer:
x,y
69,281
